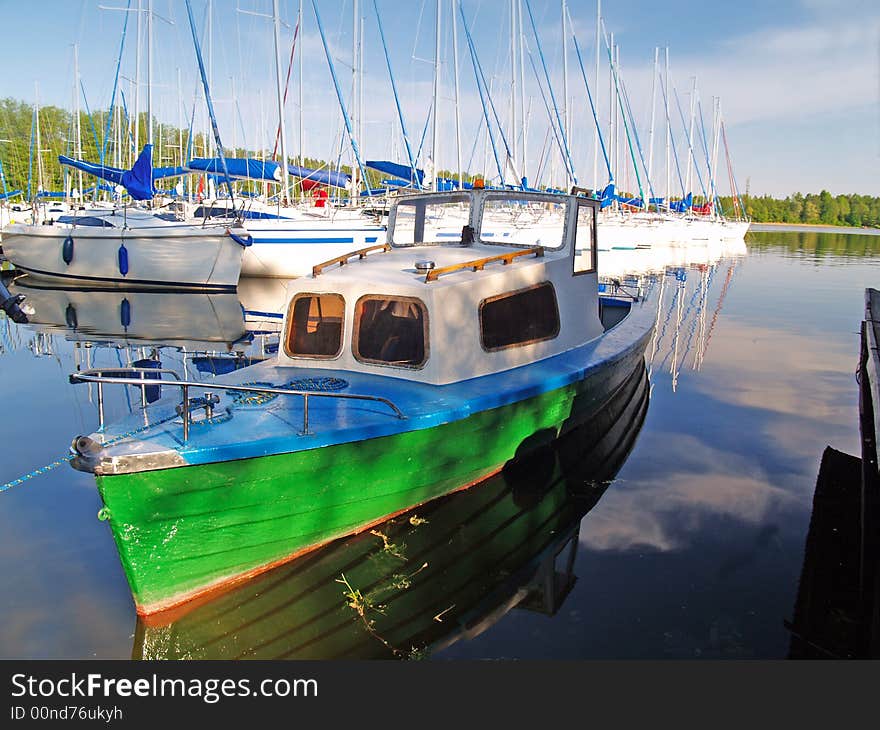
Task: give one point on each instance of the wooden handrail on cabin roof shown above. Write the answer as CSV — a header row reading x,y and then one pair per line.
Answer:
x,y
342,260
478,264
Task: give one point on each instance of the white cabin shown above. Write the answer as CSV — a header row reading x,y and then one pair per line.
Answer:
x,y
468,284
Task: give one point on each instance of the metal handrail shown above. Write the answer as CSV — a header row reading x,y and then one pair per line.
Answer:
x,y
185,385
98,371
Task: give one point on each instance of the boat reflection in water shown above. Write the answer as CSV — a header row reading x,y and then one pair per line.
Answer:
x,y
417,583
216,332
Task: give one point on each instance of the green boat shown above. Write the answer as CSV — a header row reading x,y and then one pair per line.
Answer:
x,y
421,581
406,371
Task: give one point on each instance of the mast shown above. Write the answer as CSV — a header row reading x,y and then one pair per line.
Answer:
x,y
522,89
180,122
687,176
40,180
301,56
137,81
150,72
435,142
355,112
612,139
361,85
276,21
653,107
78,130
668,131
717,134
513,85
457,108
598,117
565,111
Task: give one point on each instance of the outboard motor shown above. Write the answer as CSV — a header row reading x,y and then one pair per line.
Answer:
x,y
11,304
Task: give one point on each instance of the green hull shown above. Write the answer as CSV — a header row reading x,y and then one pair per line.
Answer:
x,y
187,531
424,579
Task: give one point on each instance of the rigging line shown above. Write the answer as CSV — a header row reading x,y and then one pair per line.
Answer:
x,y
476,142
577,49
479,76
690,147
672,139
617,85
412,162
638,143
545,155
89,113
705,143
352,141
480,89
115,83
546,103
425,129
734,188
286,86
567,154
210,104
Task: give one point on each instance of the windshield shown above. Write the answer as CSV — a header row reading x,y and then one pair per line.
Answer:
x,y
516,219
431,219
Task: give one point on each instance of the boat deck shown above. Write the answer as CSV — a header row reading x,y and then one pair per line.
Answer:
x,y
245,427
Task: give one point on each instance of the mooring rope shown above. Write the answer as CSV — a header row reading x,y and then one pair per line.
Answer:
x,y
69,457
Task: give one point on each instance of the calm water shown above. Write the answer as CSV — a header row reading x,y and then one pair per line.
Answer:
x,y
694,550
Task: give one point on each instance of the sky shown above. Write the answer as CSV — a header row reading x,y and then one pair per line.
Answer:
x,y
798,80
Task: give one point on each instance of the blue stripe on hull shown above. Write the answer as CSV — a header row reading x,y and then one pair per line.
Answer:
x,y
297,241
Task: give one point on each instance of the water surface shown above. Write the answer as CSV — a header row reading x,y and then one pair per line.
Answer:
x,y
694,550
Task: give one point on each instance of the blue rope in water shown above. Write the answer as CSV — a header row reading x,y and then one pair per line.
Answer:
x,y
66,459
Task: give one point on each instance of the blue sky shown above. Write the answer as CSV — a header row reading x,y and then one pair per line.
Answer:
x,y
798,79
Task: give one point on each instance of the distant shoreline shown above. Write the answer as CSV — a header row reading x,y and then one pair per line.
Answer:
x,y
769,227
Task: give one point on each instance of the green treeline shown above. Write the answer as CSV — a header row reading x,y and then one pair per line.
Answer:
x,y
821,209
171,145
58,137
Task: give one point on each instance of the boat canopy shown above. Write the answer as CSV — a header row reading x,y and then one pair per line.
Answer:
x,y
395,168
321,177
240,167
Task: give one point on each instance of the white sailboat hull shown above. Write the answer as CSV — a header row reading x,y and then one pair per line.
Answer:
x,y
166,256
290,248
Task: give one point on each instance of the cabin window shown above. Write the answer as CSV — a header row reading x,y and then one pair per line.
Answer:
x,y
423,220
514,220
315,325
519,318
391,331
585,240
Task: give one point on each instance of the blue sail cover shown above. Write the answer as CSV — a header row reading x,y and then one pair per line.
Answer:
x,y
10,194
393,168
322,177
241,167
52,194
162,172
139,179
682,206
608,196
112,174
